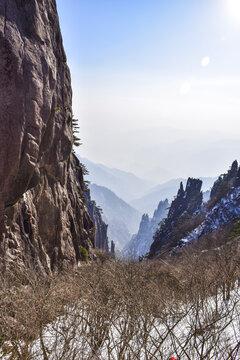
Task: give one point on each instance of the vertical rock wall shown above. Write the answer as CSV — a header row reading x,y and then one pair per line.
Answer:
x,y
100,227
43,219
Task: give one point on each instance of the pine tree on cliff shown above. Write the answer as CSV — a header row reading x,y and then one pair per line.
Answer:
x,y
75,128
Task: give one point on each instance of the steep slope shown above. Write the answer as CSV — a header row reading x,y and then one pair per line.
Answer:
x,y
43,219
223,207
184,208
141,242
123,220
124,184
188,219
100,227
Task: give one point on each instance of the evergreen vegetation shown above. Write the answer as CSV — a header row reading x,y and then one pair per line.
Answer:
x,y
75,128
83,254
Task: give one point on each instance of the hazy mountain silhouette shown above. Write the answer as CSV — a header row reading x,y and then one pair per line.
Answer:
x,y
124,184
137,192
149,202
140,243
123,219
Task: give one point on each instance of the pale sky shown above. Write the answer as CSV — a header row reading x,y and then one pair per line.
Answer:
x,y
156,83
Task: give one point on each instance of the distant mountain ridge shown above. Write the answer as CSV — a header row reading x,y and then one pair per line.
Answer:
x,y
141,242
125,185
167,190
123,214
139,193
122,219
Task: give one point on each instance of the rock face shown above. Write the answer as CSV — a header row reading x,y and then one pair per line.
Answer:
x,y
189,221
141,242
223,208
42,217
225,182
100,227
187,203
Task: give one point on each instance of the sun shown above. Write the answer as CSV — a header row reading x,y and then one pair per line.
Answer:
x,y
234,8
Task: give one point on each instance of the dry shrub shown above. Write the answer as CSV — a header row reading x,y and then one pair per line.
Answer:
x,y
185,307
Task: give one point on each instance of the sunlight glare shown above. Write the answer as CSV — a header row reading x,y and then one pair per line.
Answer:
x,y
234,9
205,61
185,88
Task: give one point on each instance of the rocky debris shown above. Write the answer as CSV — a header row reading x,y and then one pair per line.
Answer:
x,y
141,242
183,208
43,220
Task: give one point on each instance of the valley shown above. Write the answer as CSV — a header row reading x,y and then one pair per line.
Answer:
x,y
120,226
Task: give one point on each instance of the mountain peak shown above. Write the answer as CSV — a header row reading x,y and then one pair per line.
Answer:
x,y
186,203
188,219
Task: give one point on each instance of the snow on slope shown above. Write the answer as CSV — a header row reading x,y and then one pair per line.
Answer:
x,y
226,210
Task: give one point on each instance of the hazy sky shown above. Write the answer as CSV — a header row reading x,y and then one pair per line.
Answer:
x,y
156,83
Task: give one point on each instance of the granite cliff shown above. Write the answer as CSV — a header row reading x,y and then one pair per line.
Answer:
x,y
100,227
183,211
222,212
43,215
189,219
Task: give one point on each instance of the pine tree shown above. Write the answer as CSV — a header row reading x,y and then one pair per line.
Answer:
x,y
75,128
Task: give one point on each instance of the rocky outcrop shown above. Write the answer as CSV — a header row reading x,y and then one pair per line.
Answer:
x,y
100,227
184,207
224,213
43,219
189,221
223,208
141,242
224,183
